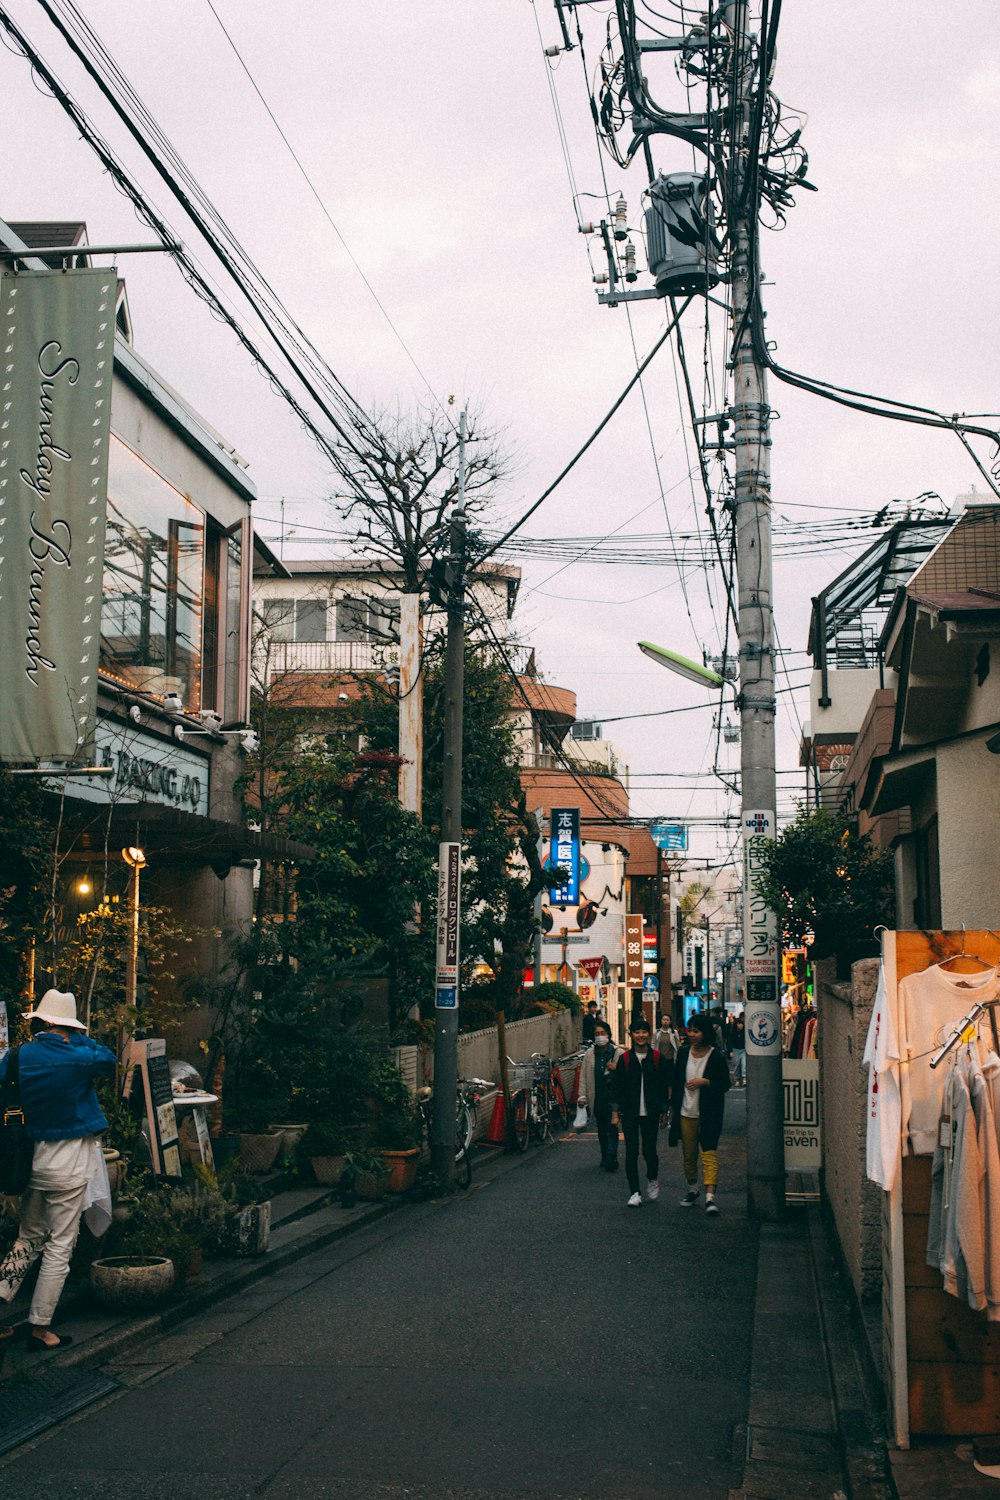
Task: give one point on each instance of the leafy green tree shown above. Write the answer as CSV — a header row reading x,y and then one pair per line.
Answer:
x,y
26,879
829,885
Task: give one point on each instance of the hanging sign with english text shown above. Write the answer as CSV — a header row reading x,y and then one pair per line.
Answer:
x,y
58,332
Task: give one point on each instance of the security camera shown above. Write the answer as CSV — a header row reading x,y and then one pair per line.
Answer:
x,y
135,713
179,733
173,704
249,742
341,697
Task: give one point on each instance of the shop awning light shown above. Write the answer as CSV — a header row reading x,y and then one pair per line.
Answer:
x,y
692,670
134,857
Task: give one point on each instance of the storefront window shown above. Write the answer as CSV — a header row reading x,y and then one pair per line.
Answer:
x,y
153,569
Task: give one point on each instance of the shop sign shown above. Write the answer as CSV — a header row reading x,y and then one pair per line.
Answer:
x,y
147,1088
145,770
449,907
55,414
565,853
669,836
803,1139
633,951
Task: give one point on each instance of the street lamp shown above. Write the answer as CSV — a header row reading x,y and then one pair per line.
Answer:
x,y
692,670
135,858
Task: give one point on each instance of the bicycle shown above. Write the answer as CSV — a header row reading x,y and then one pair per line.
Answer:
x,y
531,1103
557,1107
465,1123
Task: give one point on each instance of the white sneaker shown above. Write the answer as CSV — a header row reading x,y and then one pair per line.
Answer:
x,y
652,1191
635,1201
711,1207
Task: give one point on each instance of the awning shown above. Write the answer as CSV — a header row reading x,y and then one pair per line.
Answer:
x,y
902,779
175,834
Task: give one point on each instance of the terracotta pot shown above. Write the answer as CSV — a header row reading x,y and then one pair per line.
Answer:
x,y
371,1185
402,1169
132,1281
290,1136
327,1169
258,1153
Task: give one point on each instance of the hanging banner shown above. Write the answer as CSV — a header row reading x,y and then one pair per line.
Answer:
x,y
803,1121
566,854
760,941
55,418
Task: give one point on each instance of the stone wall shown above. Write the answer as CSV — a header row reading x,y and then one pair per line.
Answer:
x,y
856,1204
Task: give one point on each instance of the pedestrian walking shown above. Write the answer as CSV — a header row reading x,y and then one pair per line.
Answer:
x,y
667,1039
738,1050
700,1084
642,1094
589,1021
57,1070
596,1090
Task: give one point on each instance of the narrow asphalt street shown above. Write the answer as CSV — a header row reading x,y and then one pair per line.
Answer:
x,y
532,1338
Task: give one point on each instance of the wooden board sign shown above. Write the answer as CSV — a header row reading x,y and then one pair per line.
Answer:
x,y
147,1079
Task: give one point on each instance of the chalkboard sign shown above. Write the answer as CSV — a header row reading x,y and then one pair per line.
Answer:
x,y
148,1079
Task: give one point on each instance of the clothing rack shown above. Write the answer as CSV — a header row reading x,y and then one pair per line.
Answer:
x,y
979,1009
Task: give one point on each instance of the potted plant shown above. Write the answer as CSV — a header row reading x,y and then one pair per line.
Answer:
x,y
259,1144
326,1148
367,1171
398,1135
249,1219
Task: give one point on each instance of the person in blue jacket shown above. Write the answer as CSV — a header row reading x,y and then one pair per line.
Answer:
x,y
57,1069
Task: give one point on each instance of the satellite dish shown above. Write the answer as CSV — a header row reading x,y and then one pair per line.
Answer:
x,y
692,670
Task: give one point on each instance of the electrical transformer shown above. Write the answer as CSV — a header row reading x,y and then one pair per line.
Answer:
x,y
680,242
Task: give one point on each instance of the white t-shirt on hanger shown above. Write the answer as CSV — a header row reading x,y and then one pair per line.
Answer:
x,y
930,1005
882,1146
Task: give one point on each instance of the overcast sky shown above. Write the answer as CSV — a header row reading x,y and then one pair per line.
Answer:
x,y
428,131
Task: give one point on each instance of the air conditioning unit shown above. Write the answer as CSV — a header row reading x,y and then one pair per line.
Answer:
x,y
587,729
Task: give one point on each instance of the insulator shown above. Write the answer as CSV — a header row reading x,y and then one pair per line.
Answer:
x,y
585,229
552,51
600,277
621,219
630,271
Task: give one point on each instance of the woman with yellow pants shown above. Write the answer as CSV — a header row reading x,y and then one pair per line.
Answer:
x,y
701,1079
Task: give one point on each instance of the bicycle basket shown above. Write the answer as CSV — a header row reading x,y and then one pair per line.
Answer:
x,y
521,1075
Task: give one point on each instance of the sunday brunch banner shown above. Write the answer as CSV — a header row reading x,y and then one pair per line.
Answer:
x,y
58,332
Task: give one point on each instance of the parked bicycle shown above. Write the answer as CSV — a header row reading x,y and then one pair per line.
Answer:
x,y
467,1100
537,1099
553,1084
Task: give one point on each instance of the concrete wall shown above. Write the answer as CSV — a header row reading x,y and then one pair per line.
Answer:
x,y
968,805
856,1204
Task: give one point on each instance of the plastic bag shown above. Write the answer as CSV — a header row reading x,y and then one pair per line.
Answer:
x,y
580,1120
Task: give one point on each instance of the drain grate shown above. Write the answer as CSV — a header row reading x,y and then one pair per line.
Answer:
x,y
35,1401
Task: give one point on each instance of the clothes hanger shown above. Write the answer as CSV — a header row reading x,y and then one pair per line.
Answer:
x,y
970,957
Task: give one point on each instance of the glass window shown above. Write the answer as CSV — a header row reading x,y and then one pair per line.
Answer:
x,y
352,619
310,620
279,618
153,571
233,708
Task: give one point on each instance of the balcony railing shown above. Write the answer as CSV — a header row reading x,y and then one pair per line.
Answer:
x,y
332,657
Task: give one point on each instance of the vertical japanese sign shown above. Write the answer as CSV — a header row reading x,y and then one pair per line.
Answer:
x,y
760,940
633,952
566,854
55,415
449,908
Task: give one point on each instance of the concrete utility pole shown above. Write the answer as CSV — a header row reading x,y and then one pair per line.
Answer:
x,y
448,977
751,435
411,705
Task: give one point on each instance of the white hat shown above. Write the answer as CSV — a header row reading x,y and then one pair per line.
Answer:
x,y
58,1008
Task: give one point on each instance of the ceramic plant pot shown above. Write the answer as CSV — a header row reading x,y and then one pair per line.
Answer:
x,y
401,1167
258,1153
327,1169
132,1282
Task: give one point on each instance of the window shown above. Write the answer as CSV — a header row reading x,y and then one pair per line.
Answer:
x,y
279,618
310,620
360,619
151,617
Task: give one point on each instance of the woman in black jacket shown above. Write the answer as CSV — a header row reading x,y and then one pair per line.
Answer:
x,y
701,1078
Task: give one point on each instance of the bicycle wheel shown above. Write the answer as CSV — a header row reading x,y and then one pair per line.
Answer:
x,y
465,1125
540,1111
521,1112
463,1165
559,1106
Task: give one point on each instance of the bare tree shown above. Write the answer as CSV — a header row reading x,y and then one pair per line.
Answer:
x,y
404,482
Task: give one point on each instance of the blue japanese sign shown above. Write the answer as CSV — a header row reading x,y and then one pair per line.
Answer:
x,y
669,835
650,984
565,853
446,997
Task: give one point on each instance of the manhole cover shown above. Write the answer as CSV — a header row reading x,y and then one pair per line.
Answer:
x,y
43,1397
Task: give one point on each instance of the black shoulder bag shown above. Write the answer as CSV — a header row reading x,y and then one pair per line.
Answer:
x,y
16,1146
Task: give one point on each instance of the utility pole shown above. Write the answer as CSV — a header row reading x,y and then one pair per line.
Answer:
x,y
751,435
448,977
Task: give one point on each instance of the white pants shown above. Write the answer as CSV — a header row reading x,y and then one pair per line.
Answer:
x,y
50,1223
